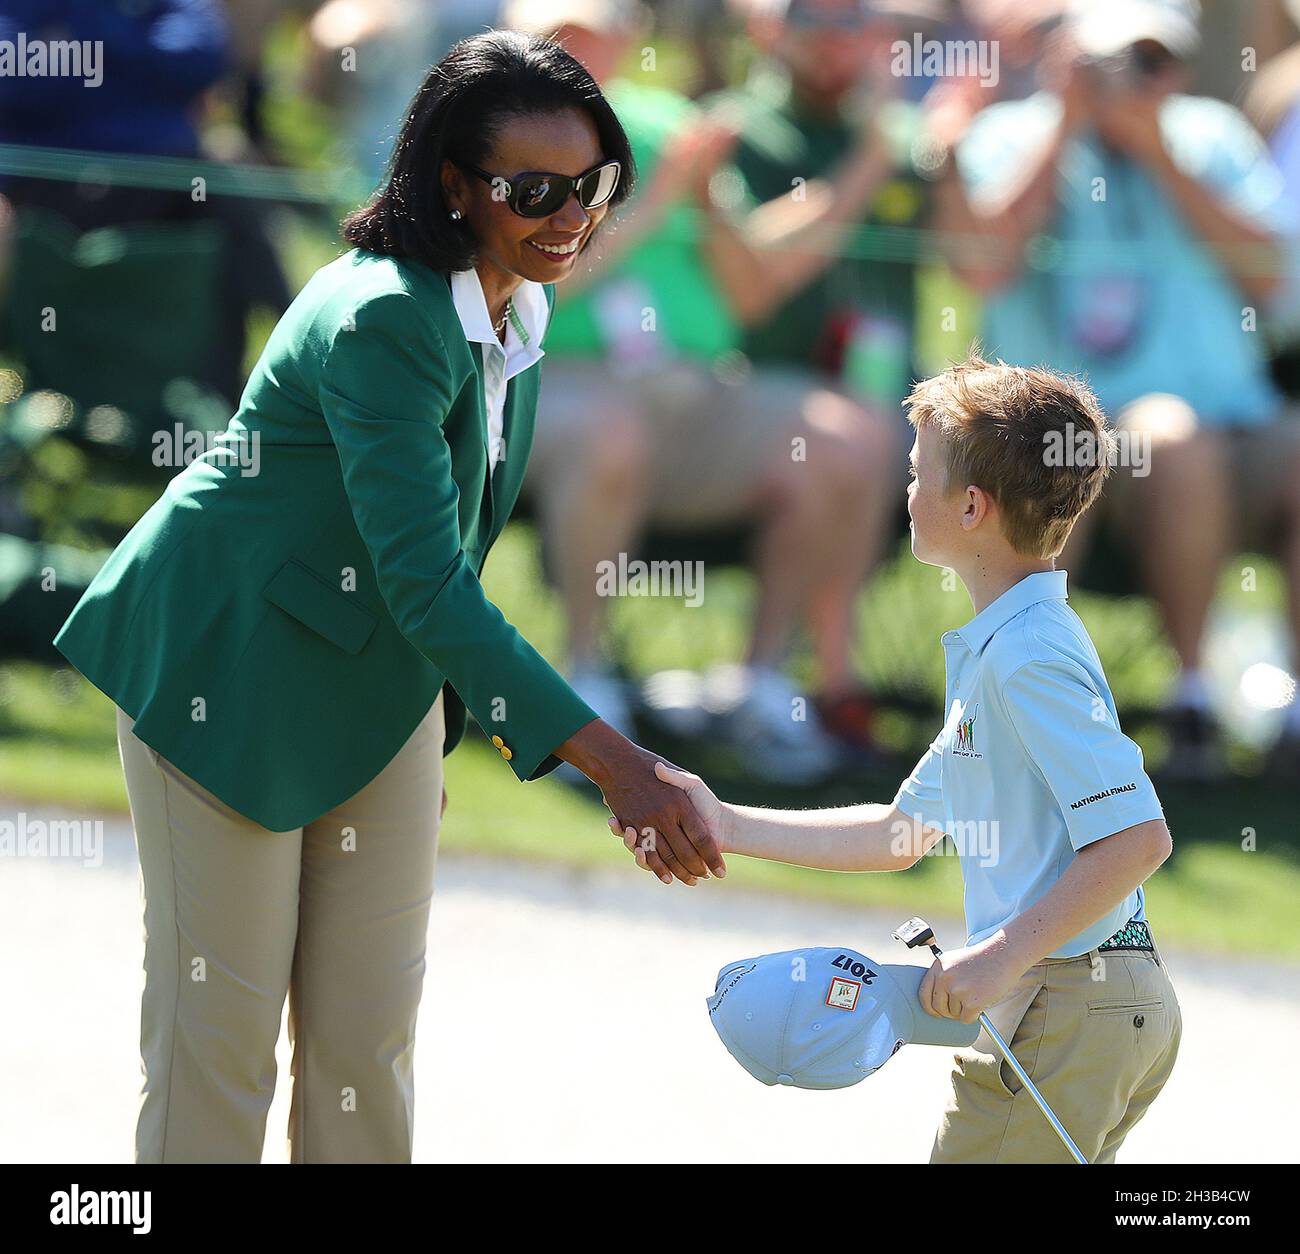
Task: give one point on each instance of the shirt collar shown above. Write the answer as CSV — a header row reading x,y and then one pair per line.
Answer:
x,y
1042,585
523,344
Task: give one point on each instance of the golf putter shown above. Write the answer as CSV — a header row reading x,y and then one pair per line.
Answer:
x,y
917,932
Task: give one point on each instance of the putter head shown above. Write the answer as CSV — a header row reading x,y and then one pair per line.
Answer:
x,y
916,931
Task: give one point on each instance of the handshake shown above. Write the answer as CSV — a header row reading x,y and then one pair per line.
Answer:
x,y
668,819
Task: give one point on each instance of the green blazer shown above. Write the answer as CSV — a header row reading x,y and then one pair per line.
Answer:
x,y
278,636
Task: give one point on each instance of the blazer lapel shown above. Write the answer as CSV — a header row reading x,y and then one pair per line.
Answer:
x,y
487,509
517,432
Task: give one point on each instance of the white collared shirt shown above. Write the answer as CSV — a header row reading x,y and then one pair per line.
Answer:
x,y
501,362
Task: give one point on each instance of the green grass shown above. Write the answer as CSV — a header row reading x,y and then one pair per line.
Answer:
x,y
57,746
1210,896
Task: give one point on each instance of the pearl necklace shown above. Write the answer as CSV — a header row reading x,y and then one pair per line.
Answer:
x,y
501,325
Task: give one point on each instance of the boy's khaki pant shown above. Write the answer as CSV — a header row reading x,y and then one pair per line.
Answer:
x,y
1098,1035
335,914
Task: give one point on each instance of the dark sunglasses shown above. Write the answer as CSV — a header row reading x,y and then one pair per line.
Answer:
x,y
538,195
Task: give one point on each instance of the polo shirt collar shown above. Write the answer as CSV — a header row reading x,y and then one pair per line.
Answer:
x,y
1042,585
531,310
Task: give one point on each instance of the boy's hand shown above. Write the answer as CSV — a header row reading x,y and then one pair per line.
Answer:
x,y
963,983
701,796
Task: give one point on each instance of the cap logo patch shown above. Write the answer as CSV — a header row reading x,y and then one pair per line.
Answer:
x,y
843,994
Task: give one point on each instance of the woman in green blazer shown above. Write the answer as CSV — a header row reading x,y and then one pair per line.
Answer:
x,y
292,651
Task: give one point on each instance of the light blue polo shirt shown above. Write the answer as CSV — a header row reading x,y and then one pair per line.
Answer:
x,y
1031,764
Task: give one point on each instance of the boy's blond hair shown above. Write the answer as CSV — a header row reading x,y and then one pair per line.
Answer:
x,y
1036,441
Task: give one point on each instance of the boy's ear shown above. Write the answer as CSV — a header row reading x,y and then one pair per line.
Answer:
x,y
976,507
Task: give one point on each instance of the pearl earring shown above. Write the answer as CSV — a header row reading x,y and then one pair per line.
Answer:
x,y
455,215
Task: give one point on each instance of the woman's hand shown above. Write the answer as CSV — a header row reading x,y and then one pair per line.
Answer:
x,y
672,838
711,811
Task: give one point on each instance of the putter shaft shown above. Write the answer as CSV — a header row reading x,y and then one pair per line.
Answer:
x,y
1039,1100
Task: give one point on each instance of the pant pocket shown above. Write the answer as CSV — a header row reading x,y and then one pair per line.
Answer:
x,y
1125,1007
1139,993
1145,1024
1020,1021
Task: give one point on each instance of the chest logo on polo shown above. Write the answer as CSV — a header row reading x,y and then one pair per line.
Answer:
x,y
964,744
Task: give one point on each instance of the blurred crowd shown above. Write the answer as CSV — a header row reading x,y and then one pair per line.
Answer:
x,y
1110,187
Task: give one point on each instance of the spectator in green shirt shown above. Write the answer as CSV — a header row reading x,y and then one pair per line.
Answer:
x,y
821,82
650,411
799,114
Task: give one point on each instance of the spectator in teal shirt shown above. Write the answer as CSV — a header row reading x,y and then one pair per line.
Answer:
x,y
1130,235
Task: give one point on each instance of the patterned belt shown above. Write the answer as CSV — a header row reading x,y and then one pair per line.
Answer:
x,y
1133,935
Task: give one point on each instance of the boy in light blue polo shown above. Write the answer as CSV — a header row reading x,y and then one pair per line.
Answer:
x,y
1031,747
1045,799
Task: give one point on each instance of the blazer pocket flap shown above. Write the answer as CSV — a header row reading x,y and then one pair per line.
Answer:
x,y
304,595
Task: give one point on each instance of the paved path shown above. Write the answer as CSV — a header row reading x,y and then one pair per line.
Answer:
x,y
564,1021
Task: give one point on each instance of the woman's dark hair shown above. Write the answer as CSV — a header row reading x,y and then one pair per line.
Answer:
x,y
456,116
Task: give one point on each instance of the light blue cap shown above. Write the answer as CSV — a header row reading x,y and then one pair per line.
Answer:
x,y
823,1018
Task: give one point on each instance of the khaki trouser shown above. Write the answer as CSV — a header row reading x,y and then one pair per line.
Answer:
x,y
1098,1035
335,914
